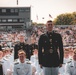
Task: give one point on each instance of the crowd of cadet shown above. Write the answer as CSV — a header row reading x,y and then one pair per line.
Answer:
x,y
17,47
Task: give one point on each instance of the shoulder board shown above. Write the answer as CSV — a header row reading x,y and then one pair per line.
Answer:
x,y
16,63
27,59
5,59
64,63
71,66
69,62
28,62
71,59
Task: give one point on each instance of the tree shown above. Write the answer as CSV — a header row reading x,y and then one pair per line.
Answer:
x,y
74,18
66,19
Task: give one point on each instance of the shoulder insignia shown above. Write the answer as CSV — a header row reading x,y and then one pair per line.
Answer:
x,y
16,63
71,66
28,62
5,59
69,62
18,68
64,63
27,59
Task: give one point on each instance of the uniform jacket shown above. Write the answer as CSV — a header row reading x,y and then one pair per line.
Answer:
x,y
46,58
22,69
23,46
71,68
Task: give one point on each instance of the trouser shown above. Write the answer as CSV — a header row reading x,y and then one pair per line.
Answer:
x,y
50,70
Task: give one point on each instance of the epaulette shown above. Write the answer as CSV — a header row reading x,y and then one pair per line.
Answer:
x,y
5,59
15,60
28,62
64,63
27,59
71,66
16,63
69,61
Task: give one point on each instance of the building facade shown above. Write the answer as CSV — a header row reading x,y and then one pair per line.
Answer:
x,y
13,18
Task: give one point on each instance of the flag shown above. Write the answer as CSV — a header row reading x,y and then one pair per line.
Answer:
x,y
42,17
50,16
17,2
37,17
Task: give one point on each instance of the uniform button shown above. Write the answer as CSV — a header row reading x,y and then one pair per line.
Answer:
x,y
50,40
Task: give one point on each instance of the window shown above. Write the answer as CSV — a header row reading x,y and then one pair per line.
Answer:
x,y
3,20
4,10
15,20
9,27
2,27
9,20
28,18
27,9
16,10
0,10
21,20
12,10
22,10
8,10
0,20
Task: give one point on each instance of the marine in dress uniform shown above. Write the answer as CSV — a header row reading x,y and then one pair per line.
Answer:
x,y
22,68
21,45
71,66
50,51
